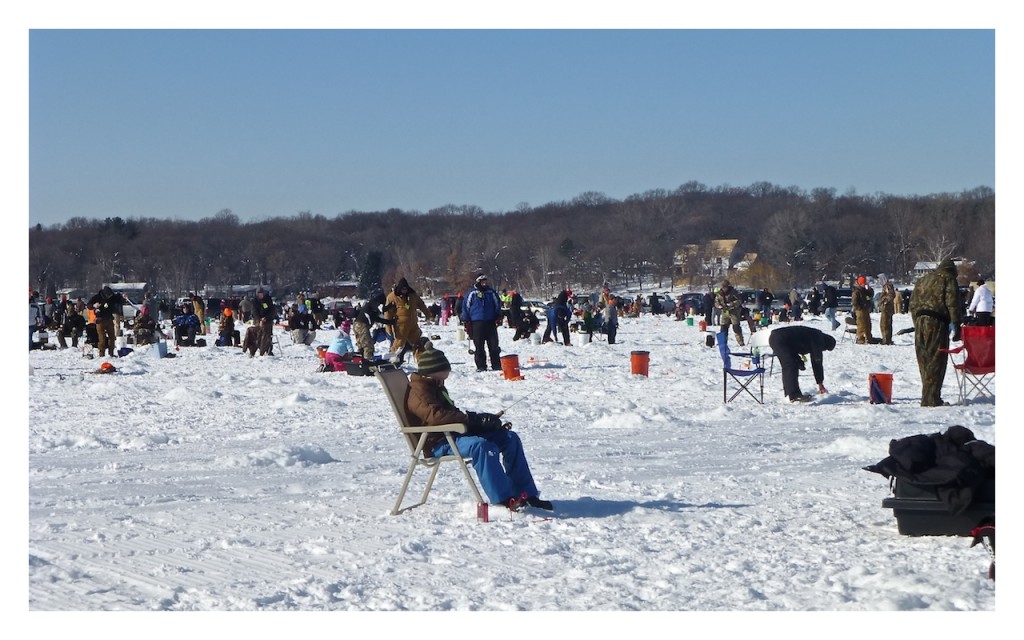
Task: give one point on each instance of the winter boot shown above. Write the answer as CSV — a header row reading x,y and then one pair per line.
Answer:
x,y
537,503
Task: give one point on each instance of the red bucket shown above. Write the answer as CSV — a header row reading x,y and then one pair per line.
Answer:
x,y
510,367
880,388
639,362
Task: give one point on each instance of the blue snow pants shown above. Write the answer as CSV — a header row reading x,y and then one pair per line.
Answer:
x,y
499,481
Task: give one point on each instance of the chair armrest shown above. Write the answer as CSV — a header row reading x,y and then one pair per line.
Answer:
x,y
952,351
454,427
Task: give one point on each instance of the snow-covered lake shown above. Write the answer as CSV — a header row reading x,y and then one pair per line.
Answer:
x,y
216,482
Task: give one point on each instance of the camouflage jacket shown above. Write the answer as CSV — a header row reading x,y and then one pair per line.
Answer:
x,y
936,295
728,300
861,298
888,296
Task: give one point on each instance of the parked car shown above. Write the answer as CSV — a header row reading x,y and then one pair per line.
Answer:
x,y
539,307
694,301
844,300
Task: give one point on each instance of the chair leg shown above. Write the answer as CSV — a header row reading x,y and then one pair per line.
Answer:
x,y
405,486
430,483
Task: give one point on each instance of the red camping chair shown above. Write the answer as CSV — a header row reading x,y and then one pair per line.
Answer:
x,y
974,361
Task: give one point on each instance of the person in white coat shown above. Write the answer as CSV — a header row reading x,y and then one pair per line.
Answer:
x,y
982,305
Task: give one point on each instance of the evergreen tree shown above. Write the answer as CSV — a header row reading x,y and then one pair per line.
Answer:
x,y
370,277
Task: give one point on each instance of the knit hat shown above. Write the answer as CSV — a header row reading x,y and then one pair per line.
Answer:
x,y
432,360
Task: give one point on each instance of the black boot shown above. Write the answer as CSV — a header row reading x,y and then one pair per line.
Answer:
x,y
537,503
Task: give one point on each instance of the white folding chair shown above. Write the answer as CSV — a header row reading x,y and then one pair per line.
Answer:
x,y
396,386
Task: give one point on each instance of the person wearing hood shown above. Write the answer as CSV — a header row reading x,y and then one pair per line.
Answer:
x,y
935,310
506,479
402,304
789,344
481,310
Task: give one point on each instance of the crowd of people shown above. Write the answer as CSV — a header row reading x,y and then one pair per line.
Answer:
x,y
936,304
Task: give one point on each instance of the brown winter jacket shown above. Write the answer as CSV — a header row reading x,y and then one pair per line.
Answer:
x,y
427,404
407,327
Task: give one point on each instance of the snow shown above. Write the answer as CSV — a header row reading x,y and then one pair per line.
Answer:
x,y
217,482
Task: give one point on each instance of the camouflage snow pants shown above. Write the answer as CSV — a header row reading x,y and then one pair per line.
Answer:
x,y
364,343
930,335
734,320
864,327
885,324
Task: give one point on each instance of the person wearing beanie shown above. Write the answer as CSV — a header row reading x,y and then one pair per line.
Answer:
x,y
506,481
789,344
229,336
862,302
982,304
728,301
481,312
402,304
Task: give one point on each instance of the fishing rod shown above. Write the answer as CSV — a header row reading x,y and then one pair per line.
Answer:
x,y
502,412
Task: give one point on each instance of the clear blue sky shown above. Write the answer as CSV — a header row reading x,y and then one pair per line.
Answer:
x,y
182,124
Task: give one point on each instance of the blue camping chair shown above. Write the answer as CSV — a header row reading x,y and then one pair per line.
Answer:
x,y
741,379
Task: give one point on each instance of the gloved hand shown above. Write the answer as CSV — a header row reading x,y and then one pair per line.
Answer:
x,y
482,423
956,333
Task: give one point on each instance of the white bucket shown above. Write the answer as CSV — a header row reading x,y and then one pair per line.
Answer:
x,y
460,334
583,338
534,338
121,342
159,350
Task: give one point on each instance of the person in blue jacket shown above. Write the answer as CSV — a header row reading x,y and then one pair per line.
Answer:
x,y
482,311
558,315
185,326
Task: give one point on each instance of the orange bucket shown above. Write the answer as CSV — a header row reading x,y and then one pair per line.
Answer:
x,y
639,361
510,367
702,325
880,388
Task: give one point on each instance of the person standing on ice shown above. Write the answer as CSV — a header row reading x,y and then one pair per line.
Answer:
x,y
481,312
728,301
402,303
935,310
610,318
789,344
507,481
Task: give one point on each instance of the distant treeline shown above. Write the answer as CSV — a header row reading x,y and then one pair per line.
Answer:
x,y
799,237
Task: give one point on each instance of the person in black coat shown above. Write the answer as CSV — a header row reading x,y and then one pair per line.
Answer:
x,y
709,306
788,344
73,325
106,304
829,302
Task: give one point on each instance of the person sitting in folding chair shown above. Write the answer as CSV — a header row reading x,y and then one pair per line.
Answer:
x,y
788,344
508,482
